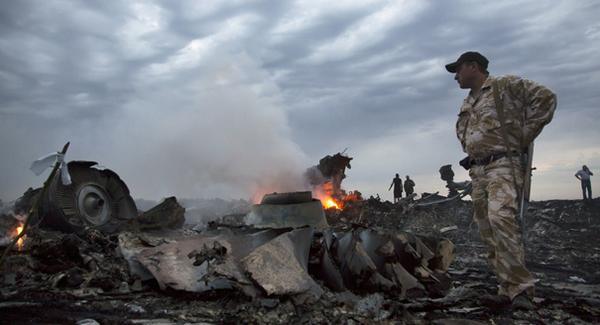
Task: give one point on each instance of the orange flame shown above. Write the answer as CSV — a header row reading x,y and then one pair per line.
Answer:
x,y
330,203
21,240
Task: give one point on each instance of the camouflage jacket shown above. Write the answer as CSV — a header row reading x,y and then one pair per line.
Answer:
x,y
528,107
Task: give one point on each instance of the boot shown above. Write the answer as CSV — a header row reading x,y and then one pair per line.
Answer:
x,y
495,301
523,302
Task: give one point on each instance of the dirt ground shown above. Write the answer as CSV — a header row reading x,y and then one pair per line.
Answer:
x,y
44,286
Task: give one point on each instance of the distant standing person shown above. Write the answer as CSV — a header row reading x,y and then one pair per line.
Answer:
x,y
409,186
397,184
586,184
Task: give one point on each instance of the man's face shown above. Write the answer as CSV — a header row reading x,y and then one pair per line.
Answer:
x,y
465,75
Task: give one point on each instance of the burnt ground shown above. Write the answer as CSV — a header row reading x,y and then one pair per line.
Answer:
x,y
562,249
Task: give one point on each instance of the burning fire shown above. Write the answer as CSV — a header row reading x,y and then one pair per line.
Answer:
x,y
21,240
325,194
330,203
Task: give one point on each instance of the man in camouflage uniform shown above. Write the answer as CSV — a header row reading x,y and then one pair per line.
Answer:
x,y
495,165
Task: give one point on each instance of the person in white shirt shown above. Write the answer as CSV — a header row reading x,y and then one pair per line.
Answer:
x,y
586,184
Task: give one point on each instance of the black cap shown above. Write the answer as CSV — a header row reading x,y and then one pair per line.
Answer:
x,y
468,57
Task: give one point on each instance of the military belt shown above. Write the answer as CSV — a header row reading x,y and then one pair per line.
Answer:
x,y
491,158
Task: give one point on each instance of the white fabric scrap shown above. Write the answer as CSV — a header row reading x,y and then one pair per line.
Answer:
x,y
40,165
43,163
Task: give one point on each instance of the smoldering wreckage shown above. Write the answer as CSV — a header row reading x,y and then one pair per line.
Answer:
x,y
88,256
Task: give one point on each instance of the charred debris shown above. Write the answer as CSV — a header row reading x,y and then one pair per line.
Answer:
x,y
89,256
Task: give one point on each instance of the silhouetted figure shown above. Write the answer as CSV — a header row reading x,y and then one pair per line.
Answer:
x,y
409,186
397,184
447,175
586,183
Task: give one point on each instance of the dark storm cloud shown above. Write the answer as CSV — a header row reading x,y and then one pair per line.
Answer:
x,y
398,83
233,89
508,34
131,91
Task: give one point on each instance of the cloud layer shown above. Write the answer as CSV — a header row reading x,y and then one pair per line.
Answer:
x,y
221,98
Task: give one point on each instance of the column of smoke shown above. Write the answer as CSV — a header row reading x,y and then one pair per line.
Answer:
x,y
218,130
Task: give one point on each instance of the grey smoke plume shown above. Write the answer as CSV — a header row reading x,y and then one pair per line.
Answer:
x,y
220,133
217,130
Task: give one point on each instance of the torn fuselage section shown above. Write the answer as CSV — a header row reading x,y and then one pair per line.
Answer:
x,y
257,262
326,177
370,261
287,247
296,209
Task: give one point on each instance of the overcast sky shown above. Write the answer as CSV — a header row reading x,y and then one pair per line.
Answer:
x,y
227,98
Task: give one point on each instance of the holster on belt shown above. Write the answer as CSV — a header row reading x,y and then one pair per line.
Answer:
x,y
466,163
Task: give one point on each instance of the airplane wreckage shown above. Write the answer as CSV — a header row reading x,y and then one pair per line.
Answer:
x,y
78,250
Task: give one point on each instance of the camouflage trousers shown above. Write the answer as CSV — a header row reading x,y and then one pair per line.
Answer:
x,y
495,209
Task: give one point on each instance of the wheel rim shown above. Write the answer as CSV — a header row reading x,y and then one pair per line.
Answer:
x,y
93,204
